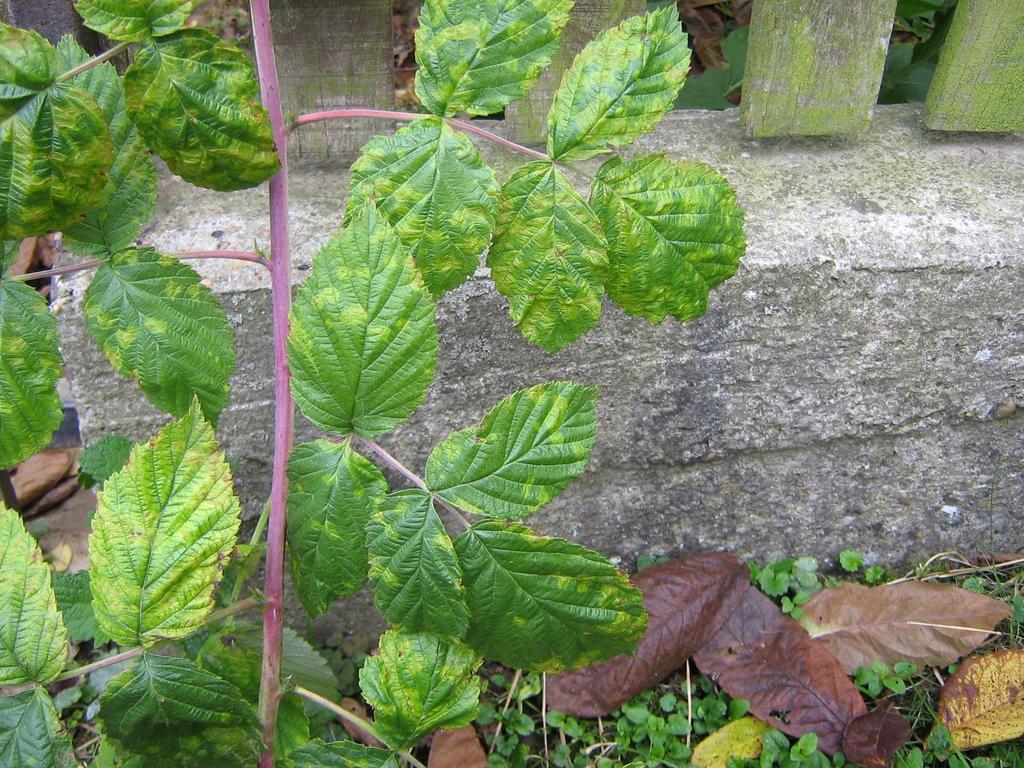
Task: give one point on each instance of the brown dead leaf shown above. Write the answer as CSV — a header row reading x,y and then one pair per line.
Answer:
x,y
983,703
59,493
910,621
457,749
357,733
687,600
872,740
26,254
706,29
791,682
38,474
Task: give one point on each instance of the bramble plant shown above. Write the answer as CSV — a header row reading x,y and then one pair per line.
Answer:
x,y
357,351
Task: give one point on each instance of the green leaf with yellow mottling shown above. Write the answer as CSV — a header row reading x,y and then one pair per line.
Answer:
x,y
33,641
196,102
31,734
363,343
135,20
342,754
674,232
415,574
159,324
162,533
543,603
130,195
419,683
332,493
432,186
525,452
166,708
30,365
478,57
55,147
548,257
619,86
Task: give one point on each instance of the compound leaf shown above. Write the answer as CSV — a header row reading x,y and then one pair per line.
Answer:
x,y
102,459
432,186
619,86
363,343
135,20
415,574
419,683
130,195
74,599
549,257
33,641
195,100
674,232
342,754
31,735
55,147
525,452
157,322
161,705
332,493
478,57
30,365
544,603
163,530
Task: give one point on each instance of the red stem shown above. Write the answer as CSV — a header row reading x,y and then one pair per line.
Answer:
x,y
281,298
81,266
335,114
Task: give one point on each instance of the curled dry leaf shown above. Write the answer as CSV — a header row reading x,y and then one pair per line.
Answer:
x,y
742,738
791,682
687,600
872,740
457,749
926,624
983,703
358,734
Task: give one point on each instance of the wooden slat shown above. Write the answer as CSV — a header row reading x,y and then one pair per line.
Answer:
x,y
814,66
333,54
527,118
979,80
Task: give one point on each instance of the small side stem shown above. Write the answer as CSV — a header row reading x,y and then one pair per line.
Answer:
x,y
355,719
412,477
81,266
98,59
386,114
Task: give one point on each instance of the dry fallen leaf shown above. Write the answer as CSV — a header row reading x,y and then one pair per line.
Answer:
x,y
358,734
740,738
61,556
62,491
909,621
687,600
791,682
872,740
983,703
39,473
457,749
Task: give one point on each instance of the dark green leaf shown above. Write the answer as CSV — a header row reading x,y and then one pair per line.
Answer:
x,y
413,568
102,459
548,257
30,365
525,452
31,734
342,754
195,100
363,343
157,322
332,493
418,684
432,186
74,599
543,603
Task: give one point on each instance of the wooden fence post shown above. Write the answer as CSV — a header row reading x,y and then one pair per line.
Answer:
x,y
526,119
51,18
979,80
334,54
814,66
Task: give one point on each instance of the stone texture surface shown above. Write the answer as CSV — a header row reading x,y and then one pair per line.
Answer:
x,y
854,385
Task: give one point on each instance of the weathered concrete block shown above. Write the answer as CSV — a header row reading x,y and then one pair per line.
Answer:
x,y
855,384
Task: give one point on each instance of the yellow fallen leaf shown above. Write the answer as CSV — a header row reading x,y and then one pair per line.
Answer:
x,y
983,703
740,738
61,556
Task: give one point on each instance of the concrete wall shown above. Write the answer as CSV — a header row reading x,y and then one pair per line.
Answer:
x,y
855,385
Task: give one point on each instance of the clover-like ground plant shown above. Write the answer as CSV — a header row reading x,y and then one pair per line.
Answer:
x,y
453,568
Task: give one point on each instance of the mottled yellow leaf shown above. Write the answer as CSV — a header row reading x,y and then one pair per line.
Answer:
x,y
983,703
740,738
